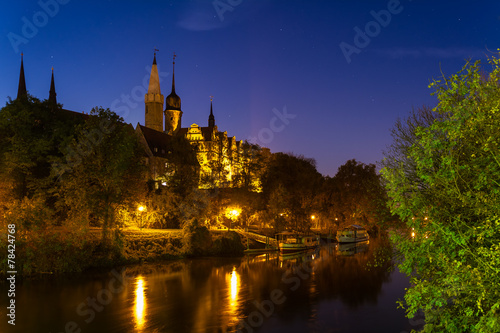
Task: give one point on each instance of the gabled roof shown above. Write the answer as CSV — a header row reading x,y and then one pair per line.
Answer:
x,y
158,142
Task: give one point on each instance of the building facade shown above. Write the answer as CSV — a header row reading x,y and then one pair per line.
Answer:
x,y
218,155
221,158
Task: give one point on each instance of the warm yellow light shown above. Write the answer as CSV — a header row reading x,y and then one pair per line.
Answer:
x,y
139,303
412,234
313,217
141,208
235,213
234,285
233,280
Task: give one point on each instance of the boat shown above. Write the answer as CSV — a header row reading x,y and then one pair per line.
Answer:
x,y
351,234
349,249
293,242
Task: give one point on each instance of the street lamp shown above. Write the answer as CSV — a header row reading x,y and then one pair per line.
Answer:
x,y
141,209
234,213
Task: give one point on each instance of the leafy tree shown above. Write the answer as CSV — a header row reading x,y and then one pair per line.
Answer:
x,y
105,171
251,166
291,183
30,131
452,200
356,195
404,136
216,171
182,170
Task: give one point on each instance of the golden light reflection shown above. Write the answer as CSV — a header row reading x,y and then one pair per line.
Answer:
x,y
234,285
140,304
233,280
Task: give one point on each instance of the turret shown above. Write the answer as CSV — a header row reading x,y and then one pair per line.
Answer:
x,y
173,112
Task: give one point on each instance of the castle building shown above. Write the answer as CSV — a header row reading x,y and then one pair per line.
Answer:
x,y
218,155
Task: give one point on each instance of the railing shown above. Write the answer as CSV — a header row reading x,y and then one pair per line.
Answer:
x,y
257,237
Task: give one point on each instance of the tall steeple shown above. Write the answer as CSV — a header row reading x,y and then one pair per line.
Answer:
x,y
211,118
52,92
154,100
21,90
173,112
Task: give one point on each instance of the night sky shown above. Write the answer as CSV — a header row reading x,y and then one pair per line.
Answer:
x,y
253,57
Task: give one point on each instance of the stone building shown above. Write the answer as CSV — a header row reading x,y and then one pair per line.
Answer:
x,y
218,154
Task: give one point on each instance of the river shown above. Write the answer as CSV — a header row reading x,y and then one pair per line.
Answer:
x,y
331,289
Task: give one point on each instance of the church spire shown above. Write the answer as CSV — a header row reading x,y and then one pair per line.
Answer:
x,y
52,92
21,90
154,79
173,75
211,118
154,100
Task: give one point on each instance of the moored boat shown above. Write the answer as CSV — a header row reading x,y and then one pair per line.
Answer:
x,y
293,242
351,234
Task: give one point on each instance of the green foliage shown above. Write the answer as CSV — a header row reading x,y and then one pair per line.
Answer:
x,y
252,164
451,199
197,240
356,195
182,170
228,245
31,133
105,173
41,247
290,186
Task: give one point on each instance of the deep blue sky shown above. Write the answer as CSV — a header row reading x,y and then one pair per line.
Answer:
x,y
262,55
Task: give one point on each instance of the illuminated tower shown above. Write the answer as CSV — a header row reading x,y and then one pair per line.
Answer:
x,y
173,113
154,100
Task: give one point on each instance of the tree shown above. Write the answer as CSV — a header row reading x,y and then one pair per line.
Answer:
x,y
30,133
297,181
404,136
251,166
356,195
182,170
104,173
452,201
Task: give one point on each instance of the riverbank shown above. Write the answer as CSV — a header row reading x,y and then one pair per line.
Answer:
x,y
60,250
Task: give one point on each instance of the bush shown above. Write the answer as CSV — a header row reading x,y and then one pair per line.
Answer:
x,y
197,240
228,245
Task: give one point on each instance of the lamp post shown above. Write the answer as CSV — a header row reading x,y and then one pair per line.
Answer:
x,y
234,214
141,209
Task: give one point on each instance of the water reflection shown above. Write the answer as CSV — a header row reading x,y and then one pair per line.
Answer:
x,y
319,291
234,287
139,303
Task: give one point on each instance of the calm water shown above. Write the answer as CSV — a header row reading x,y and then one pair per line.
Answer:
x,y
329,290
